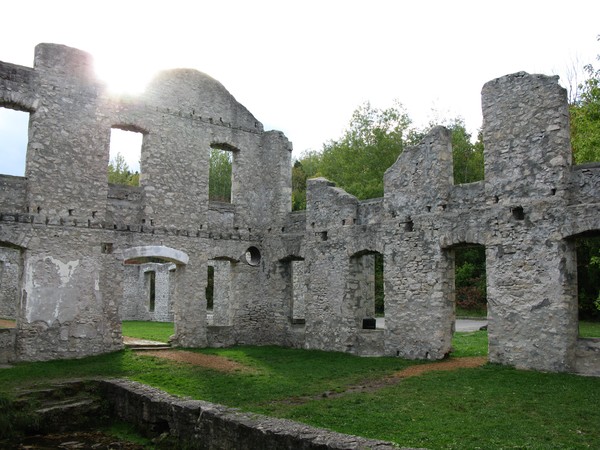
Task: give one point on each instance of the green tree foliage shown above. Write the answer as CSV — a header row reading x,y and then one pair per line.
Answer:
x,y
585,140
374,139
467,156
585,118
470,278
588,277
219,175
119,173
303,169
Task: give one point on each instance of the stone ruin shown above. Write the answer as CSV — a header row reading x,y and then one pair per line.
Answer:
x,y
75,251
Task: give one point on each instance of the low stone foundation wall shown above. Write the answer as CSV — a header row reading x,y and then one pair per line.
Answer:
x,y
202,425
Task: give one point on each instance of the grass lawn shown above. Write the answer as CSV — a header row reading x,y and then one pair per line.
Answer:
x,y
153,331
589,329
487,407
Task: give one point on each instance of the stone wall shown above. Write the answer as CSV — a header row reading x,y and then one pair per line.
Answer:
x,y
202,425
143,302
301,279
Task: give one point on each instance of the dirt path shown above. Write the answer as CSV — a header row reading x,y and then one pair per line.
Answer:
x,y
451,364
412,371
225,365
214,362
5,323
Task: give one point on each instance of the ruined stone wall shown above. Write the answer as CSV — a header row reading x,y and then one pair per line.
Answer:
x,y
12,193
202,425
72,226
301,279
526,213
136,304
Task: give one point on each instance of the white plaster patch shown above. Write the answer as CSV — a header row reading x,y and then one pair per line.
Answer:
x,y
65,270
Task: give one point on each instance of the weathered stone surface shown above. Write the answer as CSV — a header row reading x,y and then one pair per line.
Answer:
x,y
202,425
309,280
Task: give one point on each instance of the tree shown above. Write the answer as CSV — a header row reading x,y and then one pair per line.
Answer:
x,y
305,168
374,139
467,156
119,173
219,175
585,118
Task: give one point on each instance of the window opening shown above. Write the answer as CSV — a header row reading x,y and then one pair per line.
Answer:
x,y
210,288
365,289
298,292
588,284
253,256
151,286
218,292
125,156
14,127
220,175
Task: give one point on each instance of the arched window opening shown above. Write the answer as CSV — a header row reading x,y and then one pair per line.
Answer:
x,y
13,141
125,157
148,289
220,174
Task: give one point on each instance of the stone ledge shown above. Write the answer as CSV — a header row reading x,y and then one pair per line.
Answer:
x,y
202,425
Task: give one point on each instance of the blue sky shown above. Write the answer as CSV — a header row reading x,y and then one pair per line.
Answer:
x,y
302,67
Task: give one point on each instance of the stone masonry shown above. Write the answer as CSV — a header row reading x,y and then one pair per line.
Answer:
x,y
81,250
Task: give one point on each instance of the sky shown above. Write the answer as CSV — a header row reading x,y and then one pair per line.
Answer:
x,y
303,67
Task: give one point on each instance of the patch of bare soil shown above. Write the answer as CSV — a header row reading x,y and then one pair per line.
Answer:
x,y
198,359
6,323
412,371
451,364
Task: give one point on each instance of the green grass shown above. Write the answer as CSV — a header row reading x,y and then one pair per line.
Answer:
x,y
589,329
474,343
153,331
487,407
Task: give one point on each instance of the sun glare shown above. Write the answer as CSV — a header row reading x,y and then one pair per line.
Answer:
x,y
123,78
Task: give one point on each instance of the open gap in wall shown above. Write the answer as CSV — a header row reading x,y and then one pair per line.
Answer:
x,y
298,292
467,156
470,281
125,156
470,296
218,292
150,277
13,141
148,286
365,289
220,175
588,283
